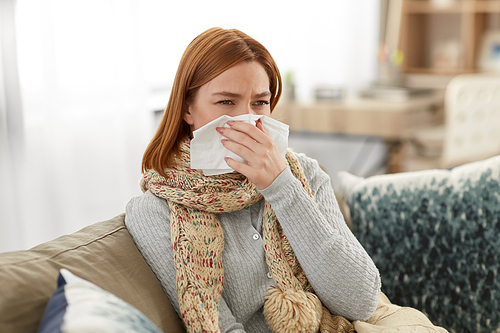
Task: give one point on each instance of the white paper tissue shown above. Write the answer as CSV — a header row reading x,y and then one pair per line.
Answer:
x,y
207,151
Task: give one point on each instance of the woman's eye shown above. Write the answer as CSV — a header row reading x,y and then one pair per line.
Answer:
x,y
225,102
261,103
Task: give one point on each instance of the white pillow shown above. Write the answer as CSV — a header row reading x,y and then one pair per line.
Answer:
x,y
79,306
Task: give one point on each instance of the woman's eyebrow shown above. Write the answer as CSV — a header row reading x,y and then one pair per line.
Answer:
x,y
226,94
234,95
263,94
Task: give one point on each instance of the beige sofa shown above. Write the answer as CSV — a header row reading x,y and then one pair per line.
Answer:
x,y
105,254
102,253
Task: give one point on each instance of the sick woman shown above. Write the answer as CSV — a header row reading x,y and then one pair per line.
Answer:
x,y
263,248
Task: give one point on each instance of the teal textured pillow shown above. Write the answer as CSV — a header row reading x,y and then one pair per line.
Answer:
x,y
435,237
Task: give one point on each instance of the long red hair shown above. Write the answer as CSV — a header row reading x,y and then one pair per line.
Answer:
x,y
207,56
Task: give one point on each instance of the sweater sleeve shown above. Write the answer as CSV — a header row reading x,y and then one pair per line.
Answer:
x,y
148,222
341,272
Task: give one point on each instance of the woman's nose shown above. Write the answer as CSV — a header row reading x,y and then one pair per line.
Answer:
x,y
246,109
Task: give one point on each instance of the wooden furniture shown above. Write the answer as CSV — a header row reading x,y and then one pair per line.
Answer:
x,y
392,121
426,27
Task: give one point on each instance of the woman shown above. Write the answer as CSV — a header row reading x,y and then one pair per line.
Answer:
x,y
264,248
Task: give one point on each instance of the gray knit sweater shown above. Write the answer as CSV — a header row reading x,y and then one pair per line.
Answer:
x,y
342,274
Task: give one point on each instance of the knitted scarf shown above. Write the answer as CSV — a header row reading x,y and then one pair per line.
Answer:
x,y
198,241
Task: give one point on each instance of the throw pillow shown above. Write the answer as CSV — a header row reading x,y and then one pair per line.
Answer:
x,y
80,306
435,237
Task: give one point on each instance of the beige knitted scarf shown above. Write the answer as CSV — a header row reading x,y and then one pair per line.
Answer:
x,y
198,242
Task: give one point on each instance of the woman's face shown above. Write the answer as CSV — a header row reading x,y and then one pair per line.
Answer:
x,y
243,88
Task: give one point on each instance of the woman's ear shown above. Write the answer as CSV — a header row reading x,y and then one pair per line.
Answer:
x,y
187,114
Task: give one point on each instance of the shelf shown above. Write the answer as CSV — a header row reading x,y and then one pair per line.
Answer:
x,y
487,6
437,71
449,34
426,7
457,7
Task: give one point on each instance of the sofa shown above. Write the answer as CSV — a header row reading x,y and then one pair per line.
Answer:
x,y
102,253
435,236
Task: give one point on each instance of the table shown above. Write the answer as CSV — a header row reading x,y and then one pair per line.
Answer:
x,y
392,121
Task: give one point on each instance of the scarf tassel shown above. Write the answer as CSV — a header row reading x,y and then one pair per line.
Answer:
x,y
292,311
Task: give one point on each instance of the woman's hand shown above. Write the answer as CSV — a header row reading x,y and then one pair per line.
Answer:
x,y
253,144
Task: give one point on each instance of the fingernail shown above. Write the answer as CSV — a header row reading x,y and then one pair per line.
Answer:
x,y
230,123
220,129
223,141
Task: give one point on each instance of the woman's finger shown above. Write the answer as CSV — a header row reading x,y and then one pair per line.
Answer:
x,y
256,132
240,138
248,154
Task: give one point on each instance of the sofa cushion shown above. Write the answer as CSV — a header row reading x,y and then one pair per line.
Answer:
x,y
78,305
435,237
103,253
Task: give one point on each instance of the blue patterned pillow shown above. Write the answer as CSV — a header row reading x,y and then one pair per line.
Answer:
x,y
80,306
435,237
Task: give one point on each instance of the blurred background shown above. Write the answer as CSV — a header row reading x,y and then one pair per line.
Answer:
x,y
83,84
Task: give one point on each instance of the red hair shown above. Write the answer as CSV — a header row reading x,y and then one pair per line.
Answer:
x,y
206,57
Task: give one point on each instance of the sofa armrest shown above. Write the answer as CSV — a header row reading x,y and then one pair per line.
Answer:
x,y
102,253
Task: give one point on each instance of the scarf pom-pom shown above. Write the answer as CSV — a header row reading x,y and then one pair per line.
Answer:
x,y
292,311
